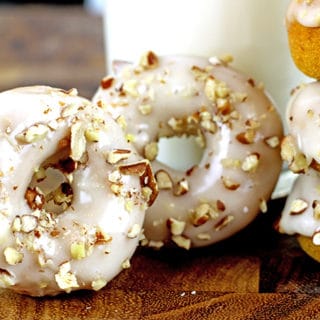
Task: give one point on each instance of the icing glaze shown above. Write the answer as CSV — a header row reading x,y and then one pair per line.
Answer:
x,y
306,12
81,231
232,119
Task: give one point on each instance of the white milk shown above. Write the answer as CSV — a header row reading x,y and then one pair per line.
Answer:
x,y
252,31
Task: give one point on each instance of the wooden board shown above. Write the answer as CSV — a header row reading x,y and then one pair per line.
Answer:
x,y
257,274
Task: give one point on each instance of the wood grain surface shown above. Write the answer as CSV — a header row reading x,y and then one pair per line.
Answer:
x,y
257,274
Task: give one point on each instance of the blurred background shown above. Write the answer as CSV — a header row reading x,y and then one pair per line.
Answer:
x,y
62,2
92,5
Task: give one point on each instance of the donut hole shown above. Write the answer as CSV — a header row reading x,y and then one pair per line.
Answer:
x,y
50,188
180,152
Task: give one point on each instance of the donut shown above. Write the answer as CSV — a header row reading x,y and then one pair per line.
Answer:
x,y
73,193
301,213
301,151
303,28
300,148
233,121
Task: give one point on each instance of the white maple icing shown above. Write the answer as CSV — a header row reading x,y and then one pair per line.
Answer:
x,y
303,119
233,118
83,247
306,12
305,193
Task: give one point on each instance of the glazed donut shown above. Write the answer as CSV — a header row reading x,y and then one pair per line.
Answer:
x,y
300,148
232,120
73,193
303,27
301,214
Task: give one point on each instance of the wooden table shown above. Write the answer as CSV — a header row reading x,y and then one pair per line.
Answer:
x,y
257,274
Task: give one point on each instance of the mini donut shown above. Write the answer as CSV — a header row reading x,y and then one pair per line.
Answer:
x,y
234,122
300,148
301,214
303,27
73,193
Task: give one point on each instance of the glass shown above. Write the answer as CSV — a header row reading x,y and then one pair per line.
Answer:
x,y
252,31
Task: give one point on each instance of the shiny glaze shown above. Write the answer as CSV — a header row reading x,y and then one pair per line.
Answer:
x,y
306,189
303,119
303,124
174,90
97,217
306,12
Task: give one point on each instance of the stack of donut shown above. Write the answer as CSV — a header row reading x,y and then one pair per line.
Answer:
x,y
78,176
301,147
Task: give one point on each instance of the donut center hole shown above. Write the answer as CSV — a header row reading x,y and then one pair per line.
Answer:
x,y
180,153
50,188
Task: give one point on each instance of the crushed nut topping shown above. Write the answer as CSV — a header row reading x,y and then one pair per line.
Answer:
x,y
151,151
65,279
316,209
298,206
316,238
149,61
290,153
115,176
33,134
215,89
201,214
27,223
273,142
78,141
247,137
199,74
130,88
126,264
164,180
206,211
69,110
181,187
145,109
102,237
175,226
231,163
223,222
154,244
230,184
122,122
263,206
147,193
181,241
78,250
6,279
107,82
129,205
134,232
144,171
12,256
92,134
34,198
209,125
204,236
251,163
118,155
98,284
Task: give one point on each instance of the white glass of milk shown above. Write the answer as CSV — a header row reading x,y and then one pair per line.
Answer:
x,y
252,31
